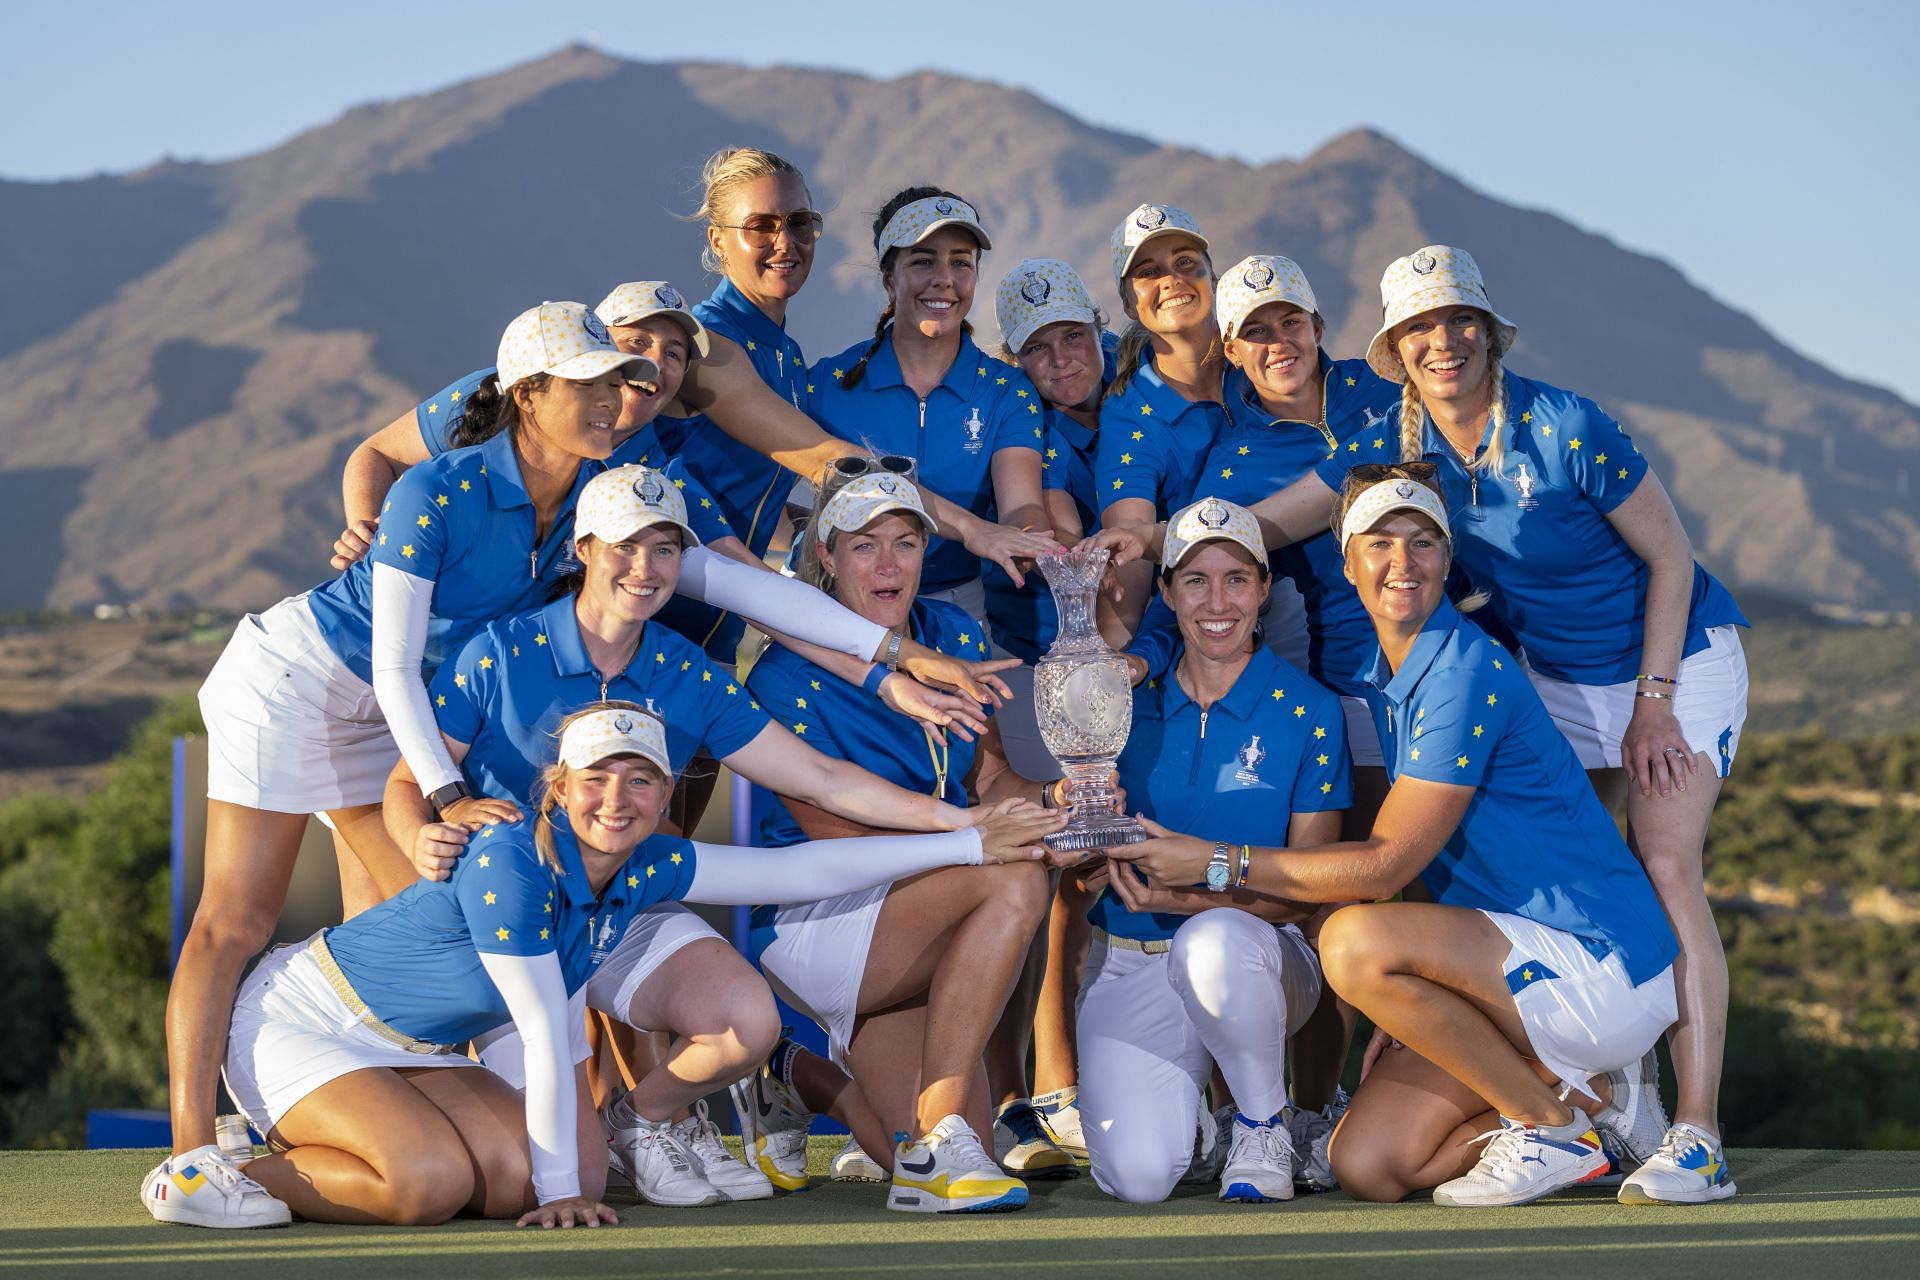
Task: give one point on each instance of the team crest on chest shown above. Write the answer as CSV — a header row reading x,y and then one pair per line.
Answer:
x,y
1250,756
603,934
1524,481
975,427
1373,419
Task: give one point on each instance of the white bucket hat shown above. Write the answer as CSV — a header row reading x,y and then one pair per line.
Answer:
x,y
563,339
634,301
619,503
615,732
1436,276
1395,493
1253,282
1149,222
911,223
1037,293
864,499
1211,520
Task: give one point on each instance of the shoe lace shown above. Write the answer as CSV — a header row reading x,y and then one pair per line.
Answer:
x,y
963,1147
1024,1124
701,1135
1679,1141
1505,1147
231,1176
661,1140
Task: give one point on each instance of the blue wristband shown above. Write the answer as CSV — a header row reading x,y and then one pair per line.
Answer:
x,y
875,675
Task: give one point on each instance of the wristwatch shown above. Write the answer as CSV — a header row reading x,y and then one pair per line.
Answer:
x,y
442,797
1220,867
891,658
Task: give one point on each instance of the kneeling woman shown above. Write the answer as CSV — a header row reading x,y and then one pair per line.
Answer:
x,y
344,1049
1233,744
1540,953
908,978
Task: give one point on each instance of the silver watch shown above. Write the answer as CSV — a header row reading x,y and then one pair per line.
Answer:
x,y
1220,867
891,658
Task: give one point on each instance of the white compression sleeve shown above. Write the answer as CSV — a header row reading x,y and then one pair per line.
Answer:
x,y
402,604
536,997
786,604
730,876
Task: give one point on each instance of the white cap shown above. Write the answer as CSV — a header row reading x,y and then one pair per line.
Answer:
x,y
1253,282
1395,493
913,222
1436,276
1149,222
1211,520
615,732
619,503
1037,293
864,499
563,339
634,301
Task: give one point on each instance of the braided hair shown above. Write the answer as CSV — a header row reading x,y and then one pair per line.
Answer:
x,y
1413,410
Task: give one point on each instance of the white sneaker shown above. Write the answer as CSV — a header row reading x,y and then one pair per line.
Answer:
x,y
202,1188
853,1164
1523,1162
650,1159
700,1137
1023,1146
1060,1111
1311,1131
1689,1168
1259,1163
773,1126
1211,1141
1635,1122
948,1172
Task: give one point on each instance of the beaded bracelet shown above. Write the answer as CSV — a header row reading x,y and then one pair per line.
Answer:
x,y
1648,693
1656,679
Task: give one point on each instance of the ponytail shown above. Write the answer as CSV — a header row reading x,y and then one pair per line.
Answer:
x,y
488,411
1126,358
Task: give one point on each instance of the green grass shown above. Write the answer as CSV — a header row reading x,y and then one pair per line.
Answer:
x,y
1798,1213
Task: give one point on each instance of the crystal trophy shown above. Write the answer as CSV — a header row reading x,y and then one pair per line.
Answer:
x,y
1083,700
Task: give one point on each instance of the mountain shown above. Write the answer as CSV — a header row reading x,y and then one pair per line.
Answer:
x,y
190,351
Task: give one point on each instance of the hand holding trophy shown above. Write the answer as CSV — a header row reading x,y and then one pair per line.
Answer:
x,y
1083,700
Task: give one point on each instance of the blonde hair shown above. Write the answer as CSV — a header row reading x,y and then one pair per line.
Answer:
x,y
1354,486
724,171
1413,411
546,788
812,568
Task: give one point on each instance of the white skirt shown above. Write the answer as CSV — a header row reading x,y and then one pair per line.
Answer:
x,y
818,957
290,729
1710,703
292,1032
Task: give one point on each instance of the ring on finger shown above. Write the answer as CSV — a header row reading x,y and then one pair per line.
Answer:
x,y
1673,751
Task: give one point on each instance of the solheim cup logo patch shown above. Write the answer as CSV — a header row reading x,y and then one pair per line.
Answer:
x,y
1424,264
651,491
595,330
1250,757
1524,482
623,724
1258,276
943,206
974,425
668,296
1035,290
1213,516
1150,217
887,485
1406,488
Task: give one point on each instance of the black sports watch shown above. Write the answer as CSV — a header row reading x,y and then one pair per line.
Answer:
x,y
440,799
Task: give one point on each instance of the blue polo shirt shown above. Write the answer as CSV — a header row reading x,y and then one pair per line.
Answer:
x,y
1536,841
846,722
982,406
515,681
415,958
1153,441
1567,584
462,521
440,415
1238,771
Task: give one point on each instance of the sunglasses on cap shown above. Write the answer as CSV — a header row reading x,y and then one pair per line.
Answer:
x,y
803,226
1369,472
859,464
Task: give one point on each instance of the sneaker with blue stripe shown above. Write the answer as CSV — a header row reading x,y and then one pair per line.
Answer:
x,y
1689,1168
1524,1162
1259,1162
1023,1146
948,1171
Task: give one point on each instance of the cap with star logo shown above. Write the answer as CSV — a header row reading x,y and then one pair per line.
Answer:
x,y
1211,520
1037,293
566,340
1425,280
1253,282
619,503
1146,223
600,735
638,300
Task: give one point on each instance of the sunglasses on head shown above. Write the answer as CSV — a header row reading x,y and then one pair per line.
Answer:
x,y
1369,472
803,226
859,464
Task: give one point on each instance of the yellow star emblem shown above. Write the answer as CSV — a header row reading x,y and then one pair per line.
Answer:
x,y
455,397
1000,382
516,651
1139,435
459,681
1126,459
486,662
1325,787
433,409
1460,762
633,882
1319,731
1379,442
809,388
1491,699
800,729
675,859
751,346
1574,443
1498,665
501,934
1243,451
1052,454
543,935
706,502
686,666
1116,484
1527,416
440,700
489,898
1600,458
965,638
1351,382
442,498
1300,710
540,638
1032,408
1414,754
466,486
1226,473
706,677
732,691
839,374
679,484
1146,410
486,860
1321,759
1546,431
423,521
1479,729
1279,694
981,372
1622,473
1353,446
383,539
660,658
650,871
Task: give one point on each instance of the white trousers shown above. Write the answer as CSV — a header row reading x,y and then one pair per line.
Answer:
x,y
1230,989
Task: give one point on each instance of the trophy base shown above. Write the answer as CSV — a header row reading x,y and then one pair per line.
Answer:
x,y
1105,835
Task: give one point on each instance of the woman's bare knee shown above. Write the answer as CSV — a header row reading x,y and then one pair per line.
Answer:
x,y
1350,950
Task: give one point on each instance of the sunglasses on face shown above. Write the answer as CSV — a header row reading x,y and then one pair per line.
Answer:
x,y
859,464
803,226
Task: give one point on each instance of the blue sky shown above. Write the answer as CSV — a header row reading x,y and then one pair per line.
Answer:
x,y
1767,149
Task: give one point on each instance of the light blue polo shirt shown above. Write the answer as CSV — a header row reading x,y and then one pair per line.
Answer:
x,y
846,722
513,684
415,958
462,521
1535,842
1237,771
982,406
1153,441
1567,584
441,415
